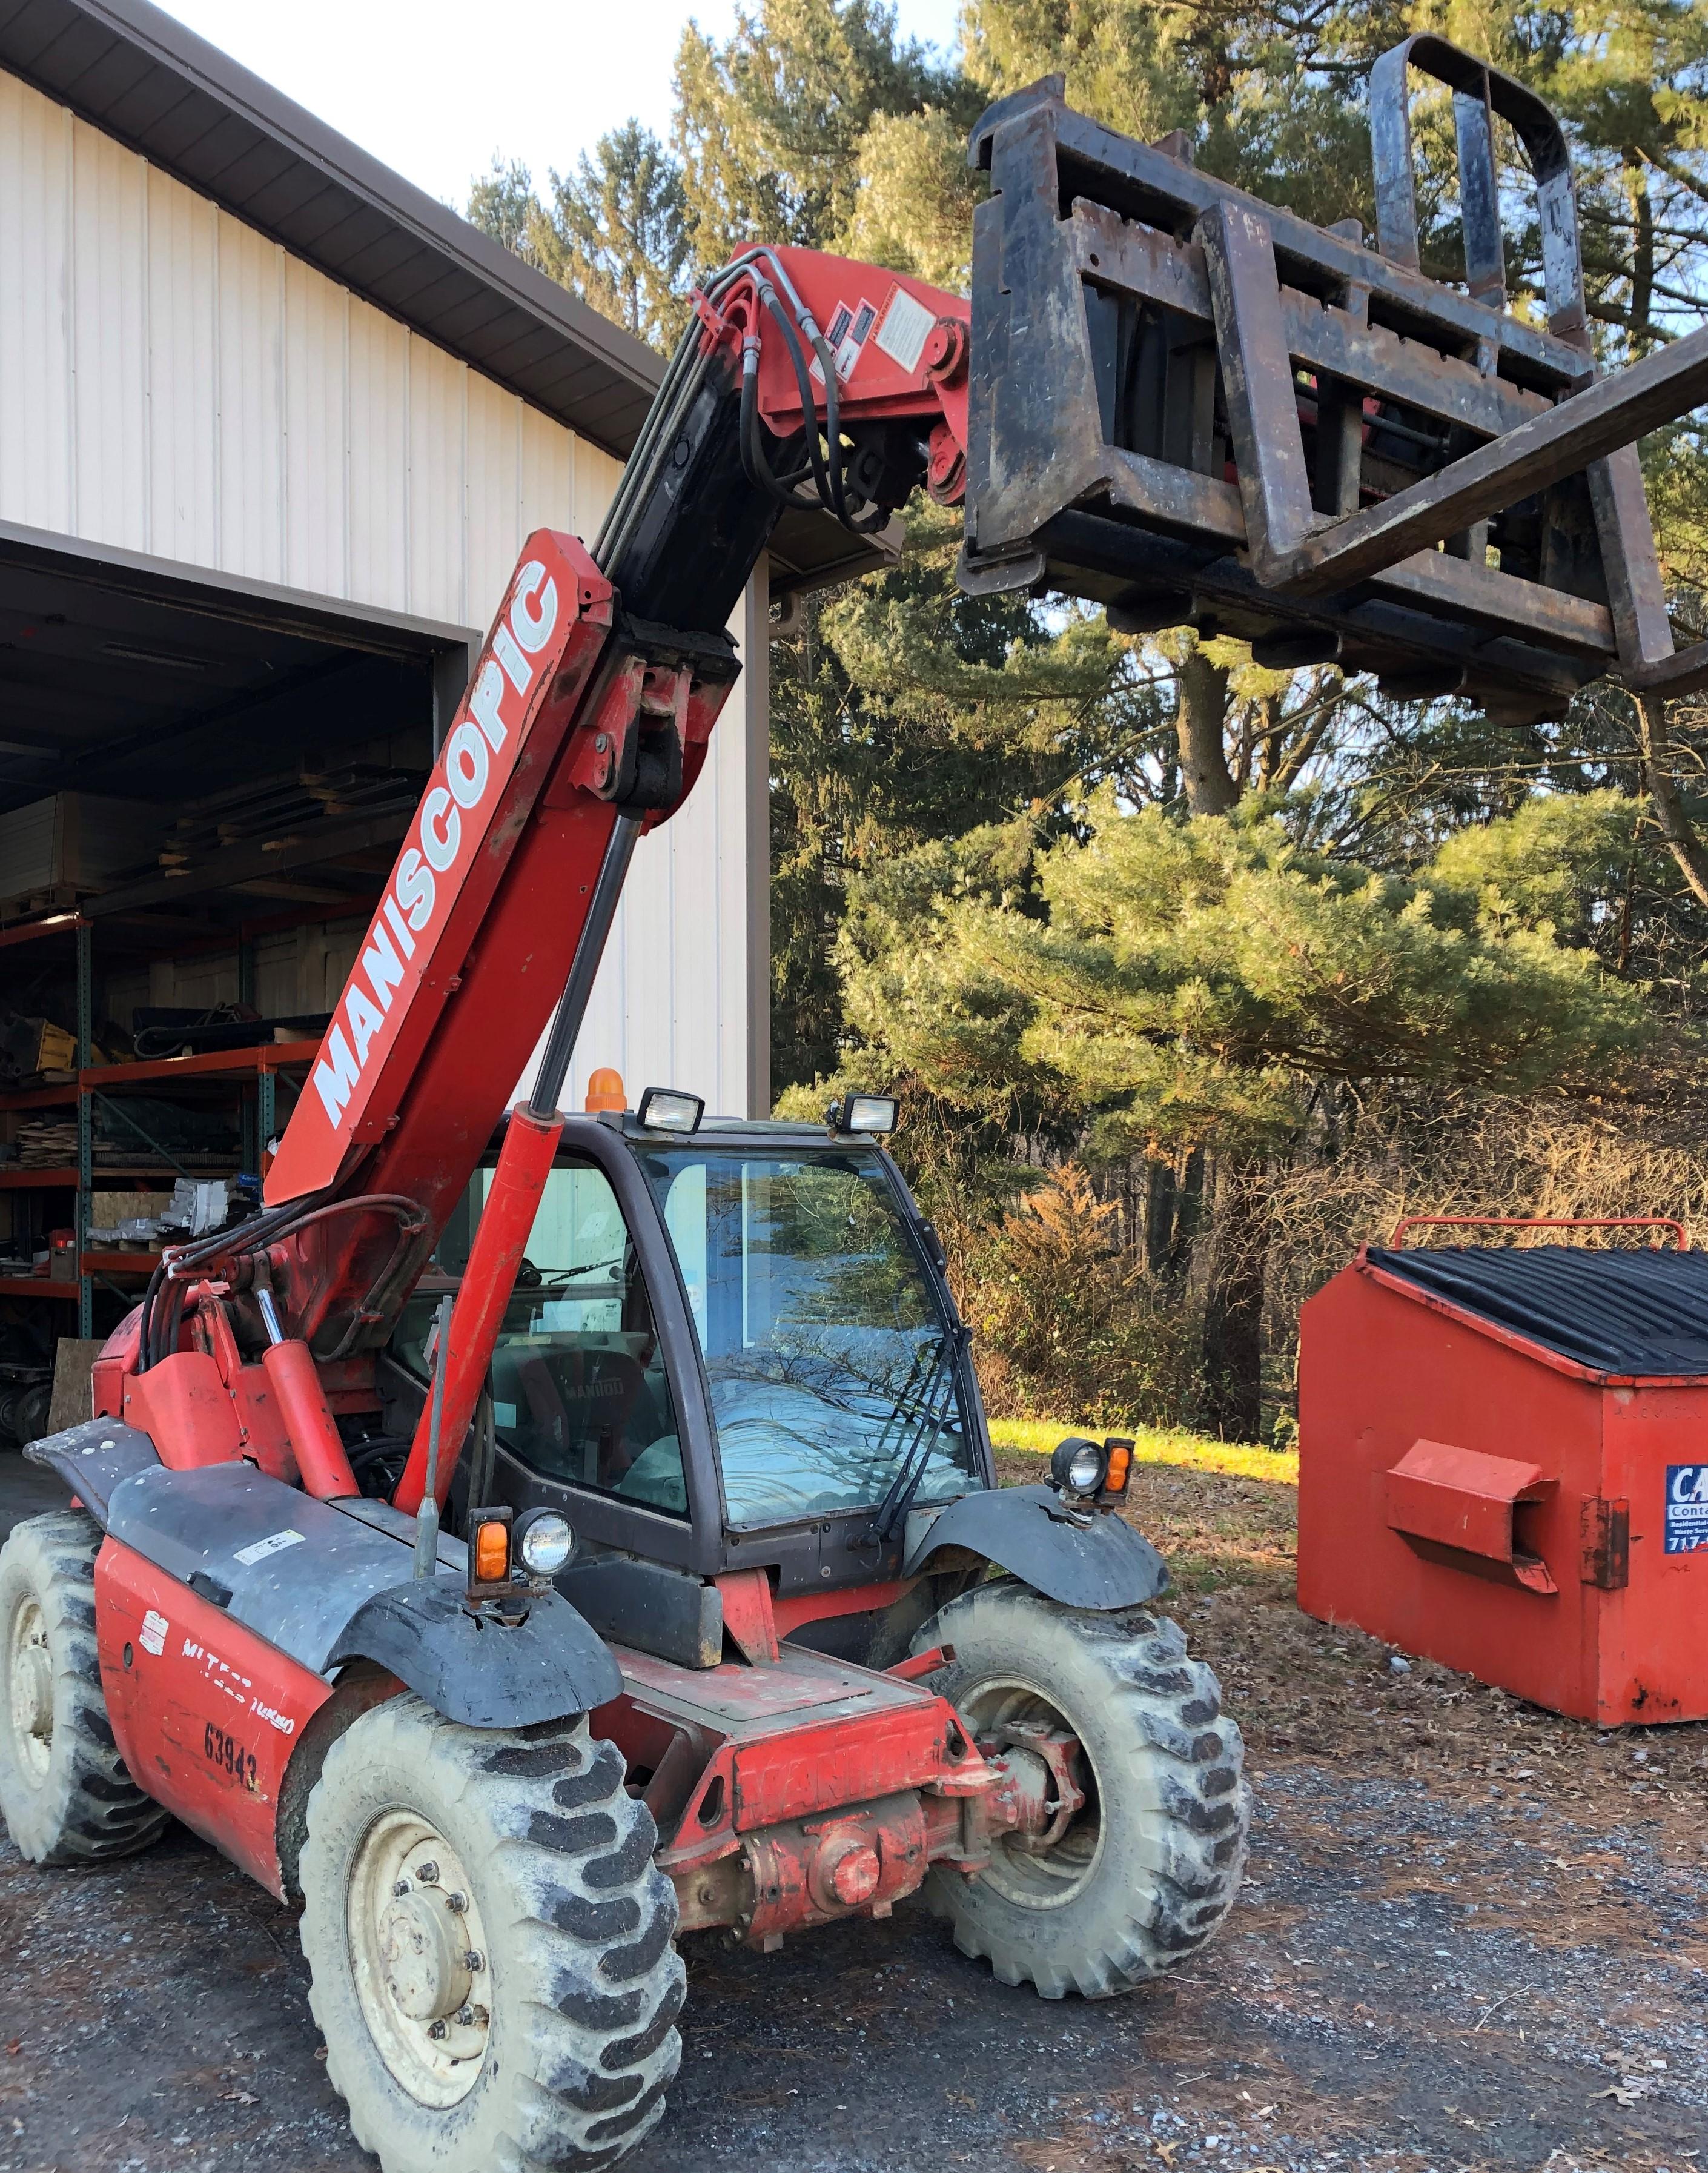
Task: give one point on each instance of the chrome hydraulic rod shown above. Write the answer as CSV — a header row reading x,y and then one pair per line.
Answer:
x,y
426,1516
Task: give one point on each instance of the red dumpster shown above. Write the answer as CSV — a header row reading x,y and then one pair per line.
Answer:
x,y
1503,1466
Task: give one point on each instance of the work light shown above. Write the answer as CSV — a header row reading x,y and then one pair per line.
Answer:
x,y
1078,1465
662,1110
865,1112
545,1542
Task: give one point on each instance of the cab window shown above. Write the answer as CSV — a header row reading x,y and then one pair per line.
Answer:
x,y
578,1380
829,1356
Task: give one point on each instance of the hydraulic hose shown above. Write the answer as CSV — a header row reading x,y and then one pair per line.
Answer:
x,y
686,374
255,1235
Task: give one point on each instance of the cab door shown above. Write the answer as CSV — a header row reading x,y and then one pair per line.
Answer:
x,y
597,1396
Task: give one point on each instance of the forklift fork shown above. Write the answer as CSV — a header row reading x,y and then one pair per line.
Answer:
x,y
1149,360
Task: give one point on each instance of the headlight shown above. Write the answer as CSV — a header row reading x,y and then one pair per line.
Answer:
x,y
1079,1464
546,1542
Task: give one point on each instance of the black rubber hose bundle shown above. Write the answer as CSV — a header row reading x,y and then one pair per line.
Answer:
x,y
160,1333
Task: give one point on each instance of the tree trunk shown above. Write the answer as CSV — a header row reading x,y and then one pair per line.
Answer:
x,y
1157,1214
1642,256
1233,1316
1186,1203
1675,825
1268,729
1200,724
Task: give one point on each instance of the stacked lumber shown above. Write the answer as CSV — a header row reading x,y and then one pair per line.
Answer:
x,y
47,1143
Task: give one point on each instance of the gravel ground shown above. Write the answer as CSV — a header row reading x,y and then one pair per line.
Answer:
x,y
1473,1935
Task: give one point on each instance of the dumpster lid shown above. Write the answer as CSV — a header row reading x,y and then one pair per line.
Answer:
x,y
1621,1312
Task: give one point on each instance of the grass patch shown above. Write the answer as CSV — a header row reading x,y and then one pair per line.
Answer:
x,y
1161,1445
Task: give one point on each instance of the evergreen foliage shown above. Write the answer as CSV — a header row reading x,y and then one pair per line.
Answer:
x,y
616,230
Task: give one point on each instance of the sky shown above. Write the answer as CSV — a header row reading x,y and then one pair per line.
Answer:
x,y
435,87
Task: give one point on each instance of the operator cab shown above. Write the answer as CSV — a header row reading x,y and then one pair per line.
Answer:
x,y
731,1345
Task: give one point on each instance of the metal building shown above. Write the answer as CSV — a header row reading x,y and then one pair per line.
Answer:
x,y
273,424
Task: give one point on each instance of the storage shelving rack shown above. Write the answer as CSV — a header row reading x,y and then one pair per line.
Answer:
x,y
252,1075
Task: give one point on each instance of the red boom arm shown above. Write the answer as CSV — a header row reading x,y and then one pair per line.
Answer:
x,y
593,697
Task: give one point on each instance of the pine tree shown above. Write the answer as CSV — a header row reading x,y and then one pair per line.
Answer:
x,y
1187,988
617,231
501,202
769,123
1308,894
902,710
905,712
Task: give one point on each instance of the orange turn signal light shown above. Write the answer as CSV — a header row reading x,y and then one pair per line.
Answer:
x,y
1120,1453
492,1550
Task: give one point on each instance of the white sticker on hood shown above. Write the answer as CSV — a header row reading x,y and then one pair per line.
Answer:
x,y
274,1543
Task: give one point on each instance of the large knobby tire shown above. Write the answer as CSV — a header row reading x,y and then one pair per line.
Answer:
x,y
1149,1869
65,1791
429,1843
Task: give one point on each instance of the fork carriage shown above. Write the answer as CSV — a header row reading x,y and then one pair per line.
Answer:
x,y
1200,408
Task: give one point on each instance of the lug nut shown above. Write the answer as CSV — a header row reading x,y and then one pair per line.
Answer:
x,y
465,2015
474,1961
399,1890
436,2030
456,1903
427,1874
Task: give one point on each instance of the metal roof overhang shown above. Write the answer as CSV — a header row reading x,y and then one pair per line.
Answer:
x,y
141,77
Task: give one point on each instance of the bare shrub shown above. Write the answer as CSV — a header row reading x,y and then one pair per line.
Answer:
x,y
1068,1325
1474,1156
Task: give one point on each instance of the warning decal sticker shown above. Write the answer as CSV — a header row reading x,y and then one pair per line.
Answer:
x,y
846,336
1687,1508
905,330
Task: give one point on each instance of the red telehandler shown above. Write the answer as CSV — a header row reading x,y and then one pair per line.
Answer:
x,y
527,1538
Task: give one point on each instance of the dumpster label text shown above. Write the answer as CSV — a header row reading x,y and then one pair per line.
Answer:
x,y
1687,1508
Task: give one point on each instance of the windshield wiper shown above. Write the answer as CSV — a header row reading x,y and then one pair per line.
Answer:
x,y
902,1404
558,1278
916,1457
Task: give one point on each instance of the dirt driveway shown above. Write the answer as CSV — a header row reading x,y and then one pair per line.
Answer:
x,y
1473,1937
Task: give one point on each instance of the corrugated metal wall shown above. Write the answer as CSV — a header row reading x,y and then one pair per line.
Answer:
x,y
173,383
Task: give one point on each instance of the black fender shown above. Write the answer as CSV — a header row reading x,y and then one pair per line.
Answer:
x,y
478,1671
94,1457
1080,1558
329,1583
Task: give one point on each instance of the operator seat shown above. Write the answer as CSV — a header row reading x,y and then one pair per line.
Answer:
x,y
579,1400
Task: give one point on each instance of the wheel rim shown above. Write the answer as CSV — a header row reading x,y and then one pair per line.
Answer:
x,y
998,1709
30,1685
419,1957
